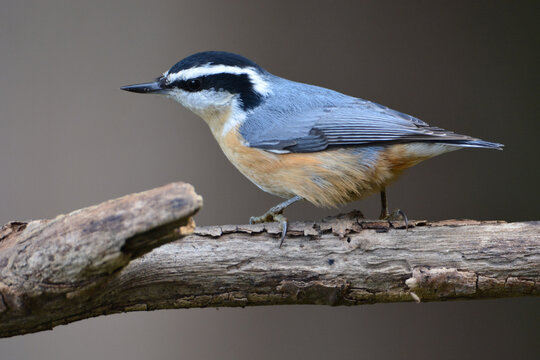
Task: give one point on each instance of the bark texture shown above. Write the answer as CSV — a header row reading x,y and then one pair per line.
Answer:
x,y
95,261
51,270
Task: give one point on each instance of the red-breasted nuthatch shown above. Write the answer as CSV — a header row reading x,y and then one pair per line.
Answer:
x,y
300,141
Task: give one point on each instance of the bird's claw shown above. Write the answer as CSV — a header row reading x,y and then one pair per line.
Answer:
x,y
396,215
260,219
283,222
269,217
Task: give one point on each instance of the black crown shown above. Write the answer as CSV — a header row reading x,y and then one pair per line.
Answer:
x,y
213,58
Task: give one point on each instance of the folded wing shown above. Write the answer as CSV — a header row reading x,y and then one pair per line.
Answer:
x,y
353,123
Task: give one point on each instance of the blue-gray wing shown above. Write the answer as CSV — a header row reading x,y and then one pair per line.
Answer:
x,y
349,123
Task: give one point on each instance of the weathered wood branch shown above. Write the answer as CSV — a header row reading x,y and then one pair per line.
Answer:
x,y
95,261
51,270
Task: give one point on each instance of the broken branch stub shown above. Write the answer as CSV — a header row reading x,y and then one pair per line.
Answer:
x,y
42,262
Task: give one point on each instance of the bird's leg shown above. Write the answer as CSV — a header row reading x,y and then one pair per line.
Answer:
x,y
397,214
276,214
384,205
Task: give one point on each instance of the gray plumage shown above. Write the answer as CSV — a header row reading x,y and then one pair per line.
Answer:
x,y
305,118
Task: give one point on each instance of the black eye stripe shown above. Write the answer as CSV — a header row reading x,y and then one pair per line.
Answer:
x,y
191,85
233,83
194,84
222,81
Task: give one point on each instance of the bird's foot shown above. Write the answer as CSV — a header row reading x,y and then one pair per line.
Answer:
x,y
396,215
271,216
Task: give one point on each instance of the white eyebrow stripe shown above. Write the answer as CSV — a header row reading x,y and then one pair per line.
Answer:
x,y
259,84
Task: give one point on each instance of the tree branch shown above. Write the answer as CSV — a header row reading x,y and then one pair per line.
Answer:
x,y
85,264
50,270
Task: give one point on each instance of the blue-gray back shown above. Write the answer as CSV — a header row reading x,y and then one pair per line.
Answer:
x,y
298,117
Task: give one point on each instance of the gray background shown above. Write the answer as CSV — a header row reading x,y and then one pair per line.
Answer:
x,y
70,138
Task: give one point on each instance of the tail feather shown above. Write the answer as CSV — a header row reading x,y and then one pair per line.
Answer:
x,y
476,143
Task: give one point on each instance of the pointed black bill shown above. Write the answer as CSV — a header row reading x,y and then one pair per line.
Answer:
x,y
146,88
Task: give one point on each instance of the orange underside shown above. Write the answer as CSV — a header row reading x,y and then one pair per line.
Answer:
x,y
326,178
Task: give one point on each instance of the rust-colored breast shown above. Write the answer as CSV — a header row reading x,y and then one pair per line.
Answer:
x,y
325,178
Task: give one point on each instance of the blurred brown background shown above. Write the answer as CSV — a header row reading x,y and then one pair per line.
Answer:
x,y
70,138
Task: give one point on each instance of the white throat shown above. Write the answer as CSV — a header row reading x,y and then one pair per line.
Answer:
x,y
221,111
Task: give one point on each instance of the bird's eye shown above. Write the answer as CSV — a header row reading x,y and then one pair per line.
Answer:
x,y
194,84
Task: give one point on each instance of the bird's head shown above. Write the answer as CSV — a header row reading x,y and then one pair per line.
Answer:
x,y
211,81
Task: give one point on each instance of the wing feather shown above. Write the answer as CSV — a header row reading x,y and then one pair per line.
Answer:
x,y
307,118
357,122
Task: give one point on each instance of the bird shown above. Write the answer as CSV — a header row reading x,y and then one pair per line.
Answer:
x,y
300,141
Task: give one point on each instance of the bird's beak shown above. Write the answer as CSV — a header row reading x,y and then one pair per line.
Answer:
x,y
146,88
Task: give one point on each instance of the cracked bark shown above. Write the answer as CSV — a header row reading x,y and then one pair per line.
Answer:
x,y
96,261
